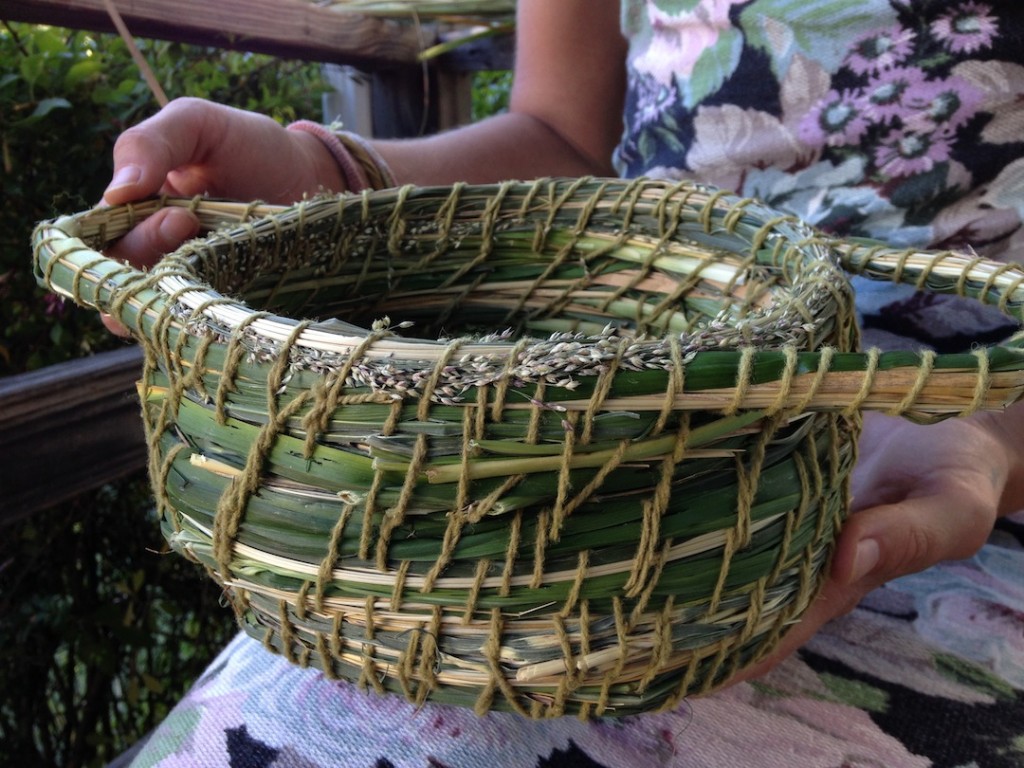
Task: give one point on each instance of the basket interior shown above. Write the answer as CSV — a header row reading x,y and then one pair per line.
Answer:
x,y
507,274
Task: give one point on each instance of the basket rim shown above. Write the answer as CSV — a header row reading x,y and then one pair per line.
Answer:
x,y
195,295
825,377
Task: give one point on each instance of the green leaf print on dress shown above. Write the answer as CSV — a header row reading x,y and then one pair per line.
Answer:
x,y
677,7
713,67
817,30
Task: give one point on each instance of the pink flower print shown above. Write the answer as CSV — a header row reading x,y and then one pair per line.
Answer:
x,y
783,725
836,120
881,50
968,28
886,96
908,152
944,104
680,39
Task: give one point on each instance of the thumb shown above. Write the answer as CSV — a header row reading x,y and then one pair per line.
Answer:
x,y
893,540
950,520
160,234
145,244
145,154
141,166
884,542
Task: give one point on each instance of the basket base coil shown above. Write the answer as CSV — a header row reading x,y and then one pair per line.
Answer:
x,y
576,515
614,621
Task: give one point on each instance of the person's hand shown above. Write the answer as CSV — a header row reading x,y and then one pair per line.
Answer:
x,y
143,246
921,494
194,147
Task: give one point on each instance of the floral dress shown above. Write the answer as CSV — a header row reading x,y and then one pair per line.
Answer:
x,y
900,120
895,119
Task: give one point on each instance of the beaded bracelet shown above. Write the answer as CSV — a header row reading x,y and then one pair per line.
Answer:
x,y
360,164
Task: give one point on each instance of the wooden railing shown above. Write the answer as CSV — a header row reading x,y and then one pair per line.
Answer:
x,y
409,96
293,29
67,429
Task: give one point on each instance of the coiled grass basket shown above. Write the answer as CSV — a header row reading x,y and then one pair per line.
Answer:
x,y
569,446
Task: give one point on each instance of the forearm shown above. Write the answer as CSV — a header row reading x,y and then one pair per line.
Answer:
x,y
509,146
564,119
565,114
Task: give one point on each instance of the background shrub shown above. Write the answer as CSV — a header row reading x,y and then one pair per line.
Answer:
x,y
101,632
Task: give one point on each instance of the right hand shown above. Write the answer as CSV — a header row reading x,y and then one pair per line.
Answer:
x,y
194,147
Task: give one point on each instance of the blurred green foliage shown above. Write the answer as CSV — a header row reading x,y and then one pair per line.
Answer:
x,y
100,631
64,98
491,90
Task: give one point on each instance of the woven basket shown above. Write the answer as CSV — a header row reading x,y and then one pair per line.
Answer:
x,y
605,473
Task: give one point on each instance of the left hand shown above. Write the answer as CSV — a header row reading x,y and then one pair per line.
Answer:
x,y
921,494
144,245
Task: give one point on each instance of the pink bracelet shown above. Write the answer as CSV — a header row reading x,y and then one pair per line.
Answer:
x,y
352,172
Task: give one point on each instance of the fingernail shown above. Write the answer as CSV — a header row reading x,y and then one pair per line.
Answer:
x,y
125,177
866,558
